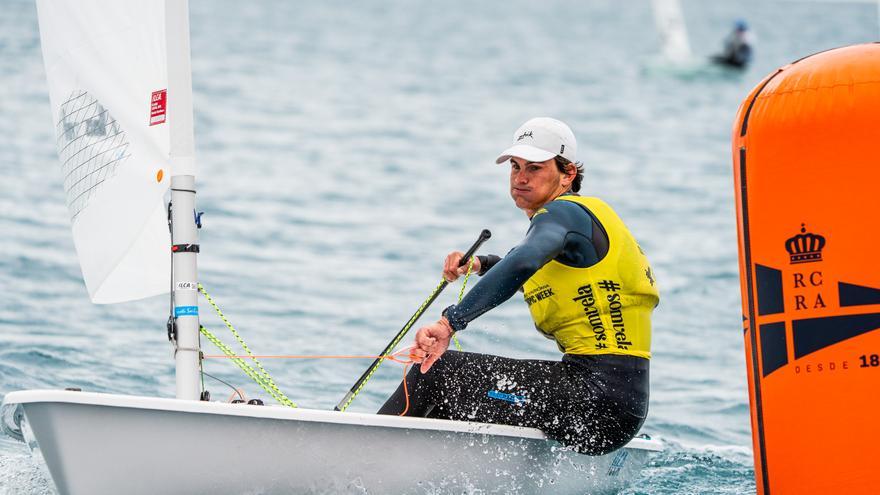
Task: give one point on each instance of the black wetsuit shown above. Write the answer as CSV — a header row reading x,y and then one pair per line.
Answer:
x,y
737,52
592,403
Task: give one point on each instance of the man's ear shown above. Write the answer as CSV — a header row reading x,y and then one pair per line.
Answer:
x,y
570,172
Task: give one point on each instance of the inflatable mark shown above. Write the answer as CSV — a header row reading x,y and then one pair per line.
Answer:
x,y
806,144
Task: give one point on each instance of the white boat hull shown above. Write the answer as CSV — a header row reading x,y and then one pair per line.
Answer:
x,y
109,444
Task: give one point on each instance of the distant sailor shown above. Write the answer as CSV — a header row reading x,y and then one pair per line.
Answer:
x,y
588,286
737,47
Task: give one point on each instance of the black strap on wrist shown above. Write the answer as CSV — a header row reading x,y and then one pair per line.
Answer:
x,y
487,262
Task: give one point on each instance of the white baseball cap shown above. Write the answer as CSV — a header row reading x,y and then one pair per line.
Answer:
x,y
539,140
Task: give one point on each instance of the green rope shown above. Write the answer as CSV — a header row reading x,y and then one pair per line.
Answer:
x,y
461,295
262,377
248,369
259,375
201,365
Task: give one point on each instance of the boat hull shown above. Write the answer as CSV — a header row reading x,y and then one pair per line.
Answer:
x,y
101,443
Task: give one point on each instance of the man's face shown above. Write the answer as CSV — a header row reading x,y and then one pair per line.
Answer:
x,y
534,184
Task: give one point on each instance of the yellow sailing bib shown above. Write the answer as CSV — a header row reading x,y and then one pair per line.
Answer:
x,y
602,309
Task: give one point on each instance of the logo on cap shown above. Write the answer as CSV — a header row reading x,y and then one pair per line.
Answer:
x,y
525,135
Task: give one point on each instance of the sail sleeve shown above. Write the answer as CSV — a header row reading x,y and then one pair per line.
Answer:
x,y
107,69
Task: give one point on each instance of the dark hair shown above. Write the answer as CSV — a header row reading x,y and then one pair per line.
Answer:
x,y
563,163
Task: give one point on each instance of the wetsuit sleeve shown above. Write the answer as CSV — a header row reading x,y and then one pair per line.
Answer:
x,y
544,241
487,262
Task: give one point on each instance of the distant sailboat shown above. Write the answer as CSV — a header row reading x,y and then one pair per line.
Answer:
x,y
120,89
674,56
675,48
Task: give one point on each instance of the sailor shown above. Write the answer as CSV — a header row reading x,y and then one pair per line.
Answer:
x,y
588,286
737,47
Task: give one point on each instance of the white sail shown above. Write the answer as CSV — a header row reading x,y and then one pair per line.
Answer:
x,y
107,69
671,27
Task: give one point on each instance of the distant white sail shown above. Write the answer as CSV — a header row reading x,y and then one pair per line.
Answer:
x,y
672,30
108,85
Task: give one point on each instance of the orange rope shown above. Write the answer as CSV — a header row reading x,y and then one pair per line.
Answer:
x,y
391,357
239,392
405,391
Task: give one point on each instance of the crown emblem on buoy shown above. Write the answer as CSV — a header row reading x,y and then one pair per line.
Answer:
x,y
805,247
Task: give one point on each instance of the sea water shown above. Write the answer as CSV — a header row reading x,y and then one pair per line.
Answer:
x,y
345,148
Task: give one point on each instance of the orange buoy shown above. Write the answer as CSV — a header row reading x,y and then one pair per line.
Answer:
x,y
806,156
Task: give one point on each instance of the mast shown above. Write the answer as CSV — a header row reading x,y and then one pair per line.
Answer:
x,y
184,232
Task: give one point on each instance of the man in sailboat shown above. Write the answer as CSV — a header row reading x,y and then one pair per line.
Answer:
x,y
737,51
589,287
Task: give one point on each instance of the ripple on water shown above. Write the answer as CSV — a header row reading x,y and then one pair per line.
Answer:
x,y
712,469
40,358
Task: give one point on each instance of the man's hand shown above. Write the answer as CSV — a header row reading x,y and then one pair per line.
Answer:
x,y
431,342
452,271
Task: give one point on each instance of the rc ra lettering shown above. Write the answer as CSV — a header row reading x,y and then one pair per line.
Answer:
x,y
810,284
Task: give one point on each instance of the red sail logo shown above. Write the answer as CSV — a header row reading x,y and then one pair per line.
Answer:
x,y
158,104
